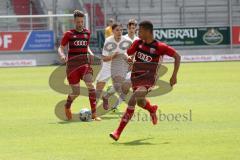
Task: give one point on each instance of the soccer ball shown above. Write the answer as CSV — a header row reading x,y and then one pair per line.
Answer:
x,y
85,115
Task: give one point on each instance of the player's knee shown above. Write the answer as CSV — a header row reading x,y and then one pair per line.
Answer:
x,y
141,102
90,85
132,101
75,94
125,88
75,91
140,93
100,85
117,87
131,107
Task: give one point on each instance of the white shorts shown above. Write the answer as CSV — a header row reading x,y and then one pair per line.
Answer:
x,y
104,75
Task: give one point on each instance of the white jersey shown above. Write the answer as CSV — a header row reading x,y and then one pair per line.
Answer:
x,y
128,76
110,47
132,40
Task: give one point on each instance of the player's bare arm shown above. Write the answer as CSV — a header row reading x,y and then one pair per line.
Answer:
x,y
61,54
91,55
177,59
90,51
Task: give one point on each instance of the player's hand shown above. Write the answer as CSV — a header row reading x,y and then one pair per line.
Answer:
x,y
63,59
130,67
130,60
114,55
126,58
173,80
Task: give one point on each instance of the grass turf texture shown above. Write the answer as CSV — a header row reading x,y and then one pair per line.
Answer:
x,y
30,130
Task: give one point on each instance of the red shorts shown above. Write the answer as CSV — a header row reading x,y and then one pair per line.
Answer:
x,y
143,75
74,75
147,82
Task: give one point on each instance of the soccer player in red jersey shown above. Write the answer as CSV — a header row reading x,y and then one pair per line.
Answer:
x,y
78,63
148,53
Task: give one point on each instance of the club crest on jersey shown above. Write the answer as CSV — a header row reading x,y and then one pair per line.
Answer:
x,y
152,50
144,57
85,36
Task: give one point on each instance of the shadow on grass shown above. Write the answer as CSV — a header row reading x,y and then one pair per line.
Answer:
x,y
138,142
135,142
110,117
60,114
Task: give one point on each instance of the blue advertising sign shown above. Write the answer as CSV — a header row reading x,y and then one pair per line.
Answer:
x,y
40,41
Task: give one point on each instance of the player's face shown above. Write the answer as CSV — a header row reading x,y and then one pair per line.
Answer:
x,y
117,32
132,29
79,22
142,33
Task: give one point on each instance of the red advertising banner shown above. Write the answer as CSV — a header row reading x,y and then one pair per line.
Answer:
x,y
12,41
236,35
27,41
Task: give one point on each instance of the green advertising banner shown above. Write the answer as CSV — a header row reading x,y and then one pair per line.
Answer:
x,y
193,36
188,36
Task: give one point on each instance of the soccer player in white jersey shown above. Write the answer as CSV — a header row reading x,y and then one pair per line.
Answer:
x,y
131,28
114,64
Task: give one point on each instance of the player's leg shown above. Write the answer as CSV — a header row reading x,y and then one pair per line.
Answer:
x,y
138,93
125,118
73,78
99,88
122,97
145,104
88,79
103,76
117,83
125,89
71,97
117,87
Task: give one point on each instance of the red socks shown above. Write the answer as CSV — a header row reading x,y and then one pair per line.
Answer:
x,y
69,102
92,99
148,106
125,119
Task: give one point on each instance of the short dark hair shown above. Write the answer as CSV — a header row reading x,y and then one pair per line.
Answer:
x,y
78,13
132,22
147,25
115,25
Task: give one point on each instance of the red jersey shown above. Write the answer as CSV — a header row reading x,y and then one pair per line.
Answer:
x,y
78,43
147,59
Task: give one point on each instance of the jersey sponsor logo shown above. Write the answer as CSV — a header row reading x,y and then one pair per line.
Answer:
x,y
124,45
110,46
144,57
80,43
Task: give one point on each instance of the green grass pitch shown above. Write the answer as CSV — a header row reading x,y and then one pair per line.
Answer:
x,y
29,129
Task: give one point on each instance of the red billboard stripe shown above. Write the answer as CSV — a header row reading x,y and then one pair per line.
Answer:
x,y
236,35
12,41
